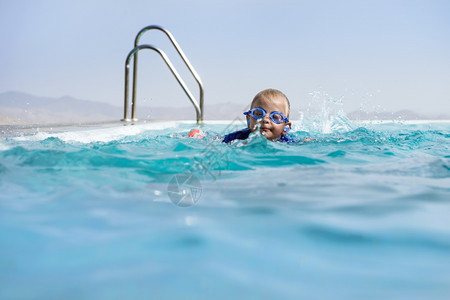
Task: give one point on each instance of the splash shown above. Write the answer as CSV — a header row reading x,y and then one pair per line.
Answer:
x,y
255,137
324,114
255,129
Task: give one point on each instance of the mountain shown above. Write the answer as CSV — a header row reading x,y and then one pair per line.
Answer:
x,y
18,108
397,115
22,108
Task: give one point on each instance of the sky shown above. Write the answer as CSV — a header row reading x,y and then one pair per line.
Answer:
x,y
371,54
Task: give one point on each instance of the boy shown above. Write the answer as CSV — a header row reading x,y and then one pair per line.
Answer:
x,y
270,108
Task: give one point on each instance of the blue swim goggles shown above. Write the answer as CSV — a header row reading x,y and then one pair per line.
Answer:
x,y
259,113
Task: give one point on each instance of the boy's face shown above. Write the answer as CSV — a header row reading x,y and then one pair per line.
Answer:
x,y
268,128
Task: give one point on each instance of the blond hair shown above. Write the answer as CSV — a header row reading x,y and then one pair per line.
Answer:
x,y
271,94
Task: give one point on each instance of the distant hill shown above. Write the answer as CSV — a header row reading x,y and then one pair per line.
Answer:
x,y
18,108
397,115
21,108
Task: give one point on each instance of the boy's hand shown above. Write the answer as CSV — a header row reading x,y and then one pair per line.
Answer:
x,y
196,133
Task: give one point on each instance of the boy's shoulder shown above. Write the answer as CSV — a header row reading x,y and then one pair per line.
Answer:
x,y
288,138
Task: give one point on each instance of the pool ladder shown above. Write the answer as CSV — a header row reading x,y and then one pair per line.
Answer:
x,y
134,54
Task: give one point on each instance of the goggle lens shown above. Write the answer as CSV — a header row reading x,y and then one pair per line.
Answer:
x,y
258,113
277,117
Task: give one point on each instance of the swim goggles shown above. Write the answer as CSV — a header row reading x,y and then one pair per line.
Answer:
x,y
259,113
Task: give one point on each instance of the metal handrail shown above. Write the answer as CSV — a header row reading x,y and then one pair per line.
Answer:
x,y
172,69
198,107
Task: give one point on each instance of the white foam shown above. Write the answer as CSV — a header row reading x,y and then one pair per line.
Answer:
x,y
105,134
4,147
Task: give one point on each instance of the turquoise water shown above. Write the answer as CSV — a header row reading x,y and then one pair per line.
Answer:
x,y
360,212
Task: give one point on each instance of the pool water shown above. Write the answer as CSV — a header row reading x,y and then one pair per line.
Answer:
x,y
359,212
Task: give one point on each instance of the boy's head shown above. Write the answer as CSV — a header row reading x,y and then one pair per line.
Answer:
x,y
266,108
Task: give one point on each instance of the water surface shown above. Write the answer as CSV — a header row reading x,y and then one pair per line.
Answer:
x,y
359,212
